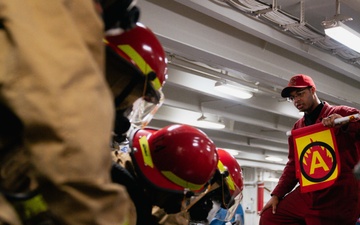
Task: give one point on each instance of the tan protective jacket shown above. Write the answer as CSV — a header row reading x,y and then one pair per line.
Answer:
x,y
51,77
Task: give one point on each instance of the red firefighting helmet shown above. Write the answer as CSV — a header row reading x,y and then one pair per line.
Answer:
x,y
234,181
176,158
140,48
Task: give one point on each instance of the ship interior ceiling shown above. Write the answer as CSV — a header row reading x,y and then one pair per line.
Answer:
x,y
257,46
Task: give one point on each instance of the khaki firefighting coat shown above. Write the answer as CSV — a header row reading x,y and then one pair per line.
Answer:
x,y
51,78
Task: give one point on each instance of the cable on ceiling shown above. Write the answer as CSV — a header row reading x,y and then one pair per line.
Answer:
x,y
289,23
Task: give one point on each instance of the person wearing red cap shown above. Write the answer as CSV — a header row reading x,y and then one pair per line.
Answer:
x,y
337,204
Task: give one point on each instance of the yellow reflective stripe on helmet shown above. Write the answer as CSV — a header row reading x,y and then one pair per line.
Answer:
x,y
145,150
229,180
156,83
141,63
177,180
136,57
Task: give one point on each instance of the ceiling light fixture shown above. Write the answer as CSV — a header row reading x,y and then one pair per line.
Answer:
x,y
207,122
337,30
233,90
273,159
345,35
232,152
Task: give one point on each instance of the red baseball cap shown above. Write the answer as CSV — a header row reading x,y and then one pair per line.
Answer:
x,y
296,82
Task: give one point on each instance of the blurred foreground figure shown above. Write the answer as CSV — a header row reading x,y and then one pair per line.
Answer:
x,y
57,114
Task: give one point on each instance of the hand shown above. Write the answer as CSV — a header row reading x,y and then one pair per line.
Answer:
x,y
329,121
273,202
